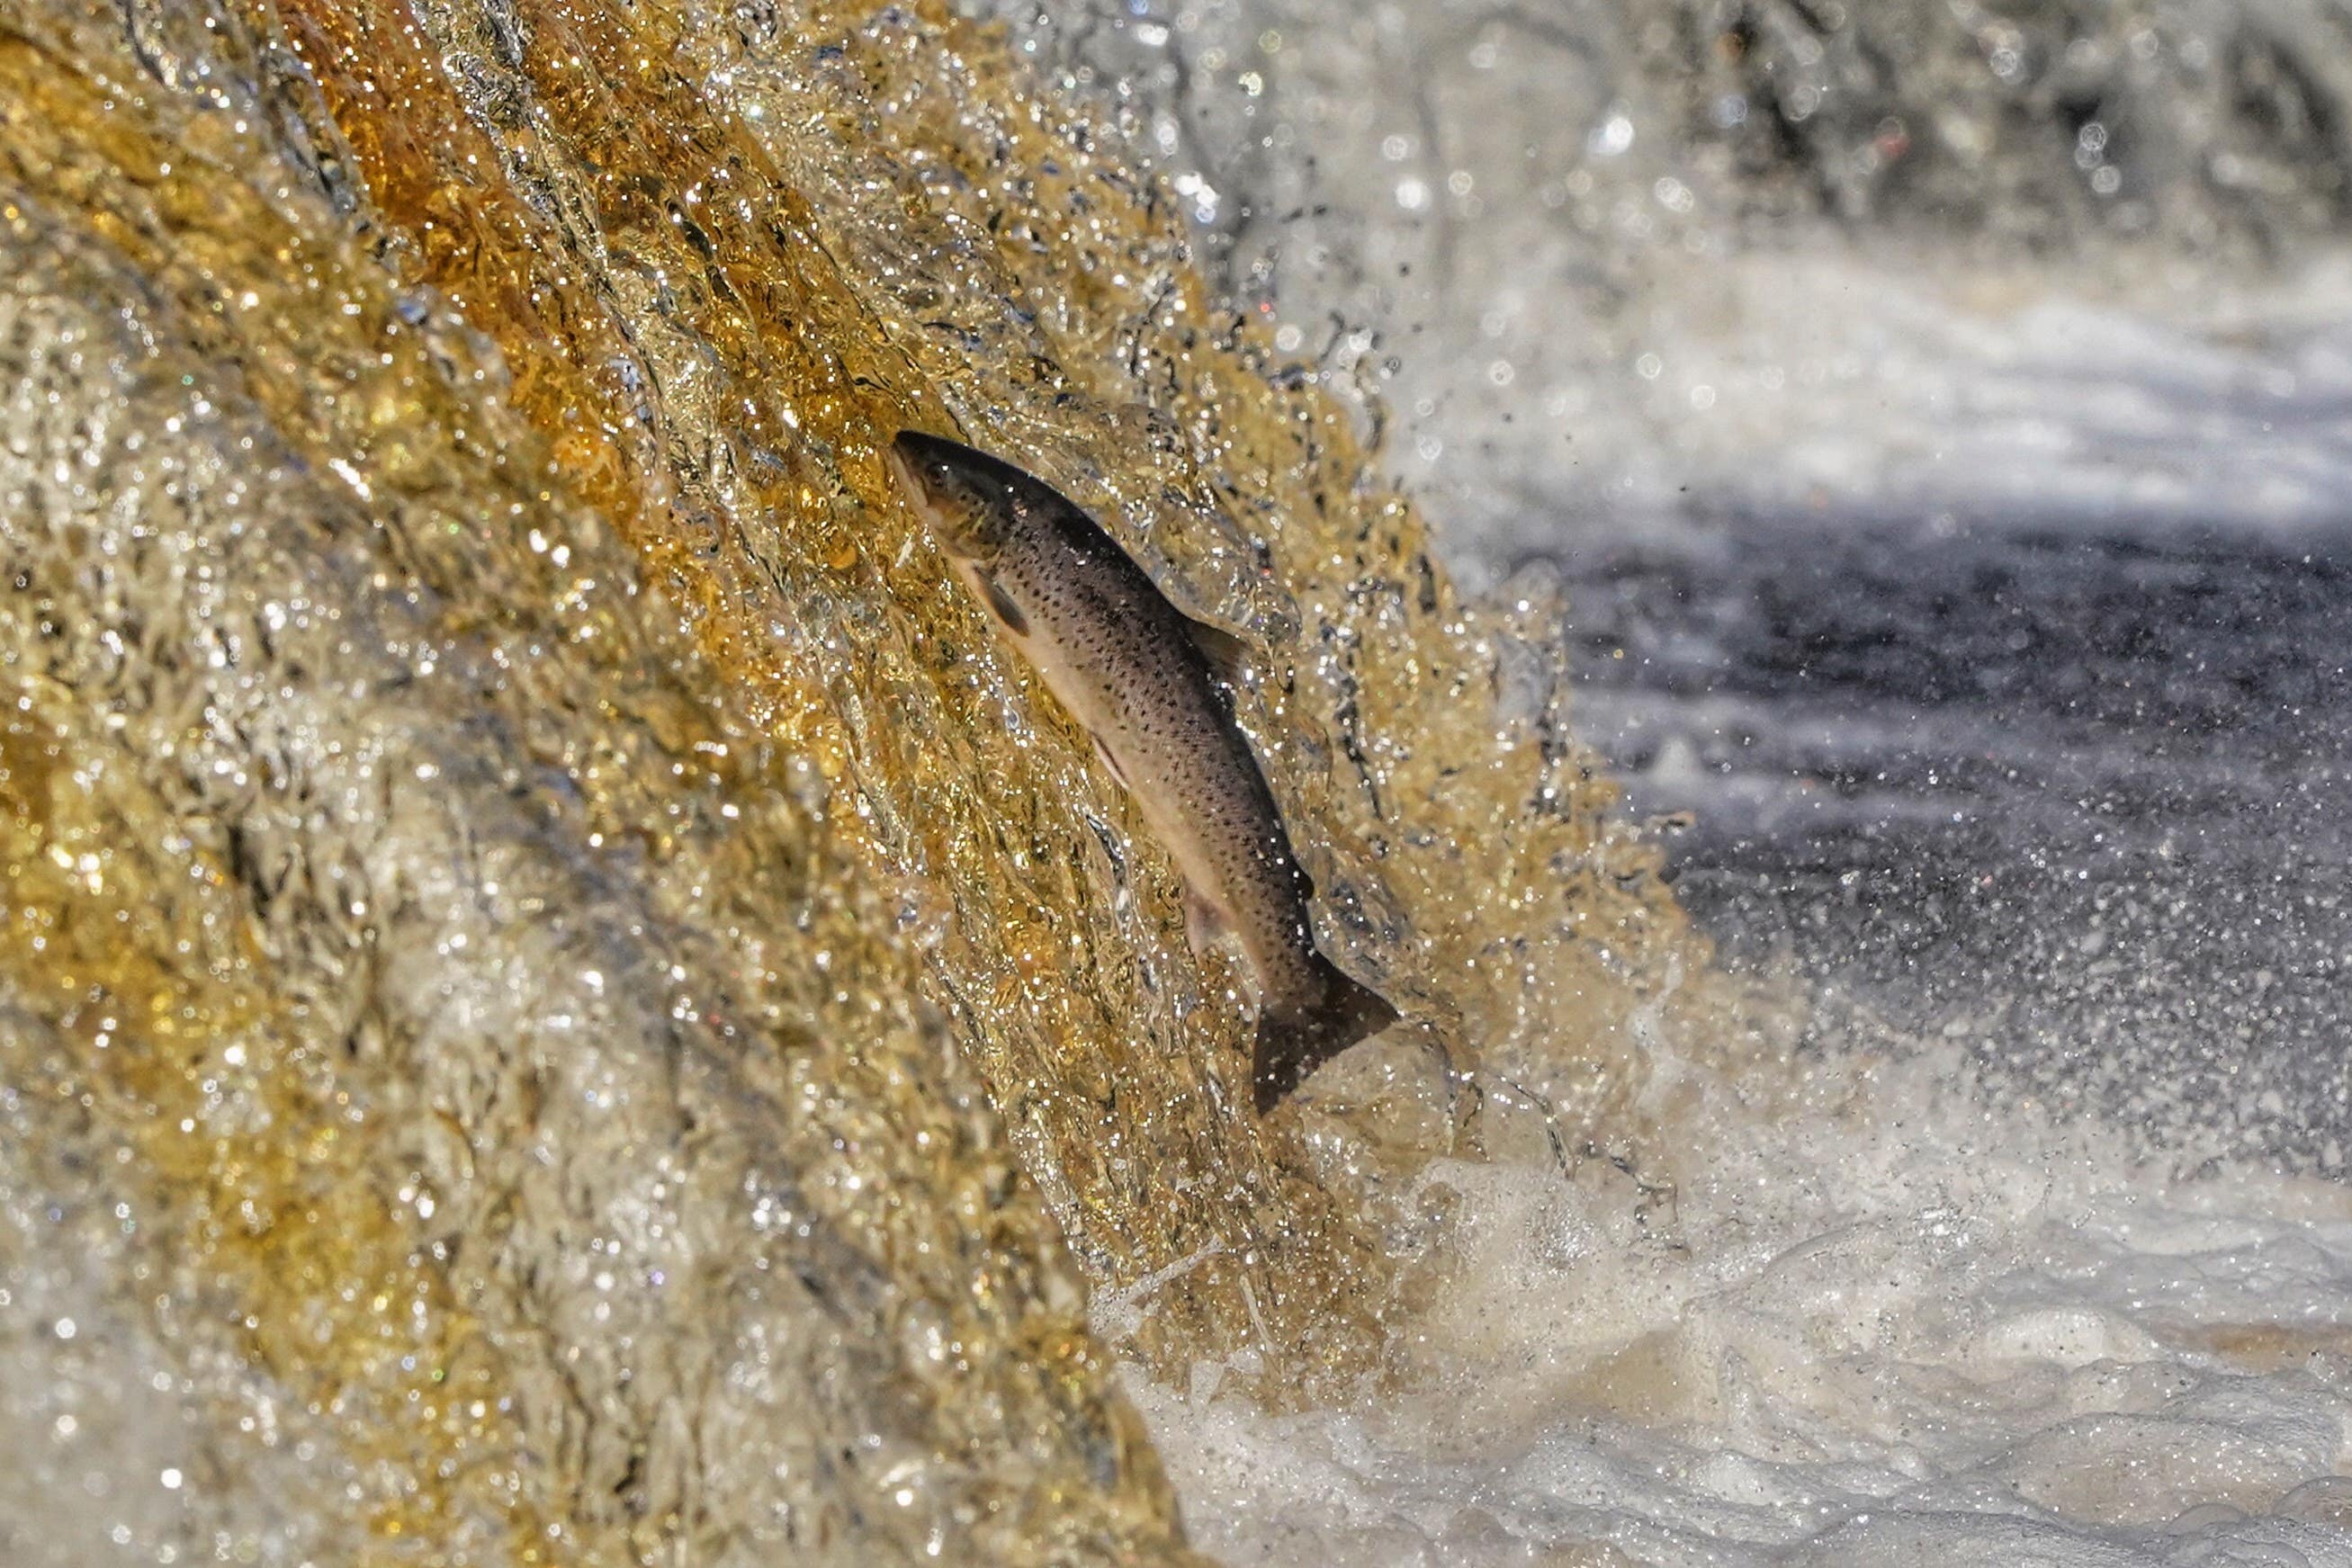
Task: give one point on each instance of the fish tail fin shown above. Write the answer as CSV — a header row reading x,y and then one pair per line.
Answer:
x,y
1295,1040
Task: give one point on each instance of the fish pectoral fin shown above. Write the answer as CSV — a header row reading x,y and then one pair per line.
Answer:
x,y
1000,604
1225,652
1109,761
1204,924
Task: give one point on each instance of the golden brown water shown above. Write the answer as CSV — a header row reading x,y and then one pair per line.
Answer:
x,y
561,999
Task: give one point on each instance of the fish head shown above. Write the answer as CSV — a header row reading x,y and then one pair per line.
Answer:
x,y
973,504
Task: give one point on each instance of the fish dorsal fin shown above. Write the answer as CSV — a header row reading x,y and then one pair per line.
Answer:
x,y
1226,654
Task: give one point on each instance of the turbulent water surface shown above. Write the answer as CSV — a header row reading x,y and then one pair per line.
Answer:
x,y
564,1001
1940,420
561,999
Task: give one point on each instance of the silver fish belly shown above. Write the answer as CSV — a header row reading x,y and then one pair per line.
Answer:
x,y
1141,678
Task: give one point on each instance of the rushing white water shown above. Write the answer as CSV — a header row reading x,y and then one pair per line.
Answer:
x,y
468,1094
1910,389
1894,1323
1980,599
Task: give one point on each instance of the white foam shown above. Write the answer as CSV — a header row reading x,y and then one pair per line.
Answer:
x,y
1892,1326
1886,385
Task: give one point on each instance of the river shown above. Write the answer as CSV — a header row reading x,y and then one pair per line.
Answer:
x,y
564,1000
1938,424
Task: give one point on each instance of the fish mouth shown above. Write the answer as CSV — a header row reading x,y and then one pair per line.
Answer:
x,y
923,459
927,469
902,461
917,446
905,467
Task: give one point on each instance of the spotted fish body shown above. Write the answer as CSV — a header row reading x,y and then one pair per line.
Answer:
x,y
1141,678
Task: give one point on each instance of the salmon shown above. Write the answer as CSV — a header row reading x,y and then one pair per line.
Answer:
x,y
1152,687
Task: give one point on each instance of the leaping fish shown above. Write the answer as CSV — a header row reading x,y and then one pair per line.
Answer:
x,y
1141,678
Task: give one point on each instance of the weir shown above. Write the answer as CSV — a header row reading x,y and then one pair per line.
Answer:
x,y
559,1000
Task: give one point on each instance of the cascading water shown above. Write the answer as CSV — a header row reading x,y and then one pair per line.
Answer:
x,y
1939,419
562,1001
